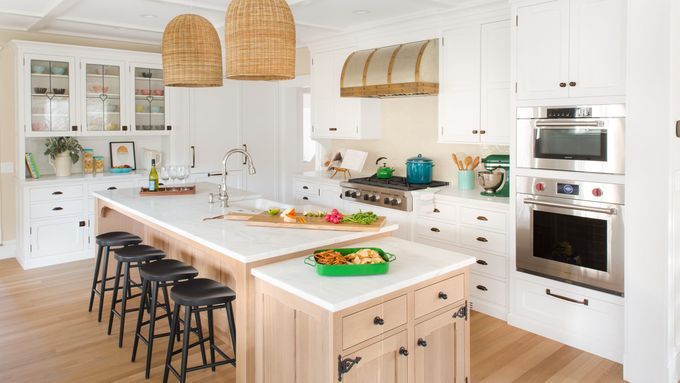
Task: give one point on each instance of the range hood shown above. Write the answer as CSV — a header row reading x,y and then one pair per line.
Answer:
x,y
410,69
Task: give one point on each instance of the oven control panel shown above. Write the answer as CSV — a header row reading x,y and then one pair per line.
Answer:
x,y
581,190
583,112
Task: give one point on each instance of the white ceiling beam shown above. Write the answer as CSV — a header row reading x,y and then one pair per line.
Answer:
x,y
319,26
52,14
109,24
12,12
194,4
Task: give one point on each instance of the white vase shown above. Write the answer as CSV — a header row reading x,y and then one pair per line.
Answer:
x,y
62,164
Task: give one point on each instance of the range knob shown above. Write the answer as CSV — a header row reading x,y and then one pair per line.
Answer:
x,y
347,193
540,186
354,195
374,198
597,192
365,197
394,202
386,201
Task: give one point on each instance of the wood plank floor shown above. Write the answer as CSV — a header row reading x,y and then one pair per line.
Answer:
x,y
47,335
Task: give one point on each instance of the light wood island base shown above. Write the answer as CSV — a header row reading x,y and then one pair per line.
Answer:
x,y
418,334
210,264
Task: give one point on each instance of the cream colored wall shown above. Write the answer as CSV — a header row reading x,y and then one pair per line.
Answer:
x,y
7,147
409,127
302,61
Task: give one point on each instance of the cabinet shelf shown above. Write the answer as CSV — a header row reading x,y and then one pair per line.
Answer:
x,y
109,95
49,75
54,95
148,79
48,115
103,76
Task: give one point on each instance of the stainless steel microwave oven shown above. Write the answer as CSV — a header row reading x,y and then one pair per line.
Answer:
x,y
583,139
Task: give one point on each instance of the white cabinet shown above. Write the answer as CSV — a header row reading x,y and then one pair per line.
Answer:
x,y
570,48
339,117
307,190
474,90
103,97
58,236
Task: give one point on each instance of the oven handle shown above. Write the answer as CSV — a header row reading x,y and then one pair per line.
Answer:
x,y
566,124
605,210
583,302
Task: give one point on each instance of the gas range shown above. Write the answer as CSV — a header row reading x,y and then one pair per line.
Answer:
x,y
393,193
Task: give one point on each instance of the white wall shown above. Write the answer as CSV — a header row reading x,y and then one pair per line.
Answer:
x,y
649,279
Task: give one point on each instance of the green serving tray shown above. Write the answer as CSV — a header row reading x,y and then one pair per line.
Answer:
x,y
352,270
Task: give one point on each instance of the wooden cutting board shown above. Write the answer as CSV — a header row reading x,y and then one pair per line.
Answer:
x,y
313,223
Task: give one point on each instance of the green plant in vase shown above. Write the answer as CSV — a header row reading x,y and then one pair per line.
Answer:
x,y
63,151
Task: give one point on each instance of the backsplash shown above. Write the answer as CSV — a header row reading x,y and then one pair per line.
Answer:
x,y
410,128
100,147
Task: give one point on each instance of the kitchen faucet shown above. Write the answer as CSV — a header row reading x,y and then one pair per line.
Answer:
x,y
223,193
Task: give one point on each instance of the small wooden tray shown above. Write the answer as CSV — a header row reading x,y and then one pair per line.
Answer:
x,y
169,190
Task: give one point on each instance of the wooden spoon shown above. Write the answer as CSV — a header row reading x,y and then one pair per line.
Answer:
x,y
475,163
468,162
455,160
460,165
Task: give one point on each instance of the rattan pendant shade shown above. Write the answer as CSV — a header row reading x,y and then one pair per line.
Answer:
x,y
192,53
260,39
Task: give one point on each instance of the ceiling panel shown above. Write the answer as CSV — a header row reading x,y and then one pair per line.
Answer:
x,y
103,32
34,7
17,22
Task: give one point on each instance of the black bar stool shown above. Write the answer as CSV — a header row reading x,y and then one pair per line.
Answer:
x,y
198,295
159,275
126,258
104,242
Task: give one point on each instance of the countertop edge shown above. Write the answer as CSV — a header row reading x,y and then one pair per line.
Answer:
x,y
365,297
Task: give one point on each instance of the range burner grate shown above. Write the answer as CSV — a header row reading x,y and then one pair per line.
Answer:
x,y
398,183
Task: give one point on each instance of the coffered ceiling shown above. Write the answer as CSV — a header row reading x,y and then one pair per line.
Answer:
x,y
143,21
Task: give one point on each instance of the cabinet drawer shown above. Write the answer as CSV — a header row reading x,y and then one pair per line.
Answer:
x,y
303,187
436,230
56,193
440,294
56,209
494,265
488,289
301,199
113,185
373,321
437,210
482,239
487,219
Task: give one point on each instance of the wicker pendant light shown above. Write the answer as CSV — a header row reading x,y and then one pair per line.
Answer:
x,y
260,39
192,53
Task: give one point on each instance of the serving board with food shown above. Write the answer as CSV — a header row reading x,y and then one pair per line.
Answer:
x,y
350,261
319,220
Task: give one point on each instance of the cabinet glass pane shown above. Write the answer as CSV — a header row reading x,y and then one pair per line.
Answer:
x,y
103,97
50,109
149,99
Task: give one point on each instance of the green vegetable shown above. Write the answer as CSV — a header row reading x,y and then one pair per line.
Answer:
x,y
274,211
363,218
316,214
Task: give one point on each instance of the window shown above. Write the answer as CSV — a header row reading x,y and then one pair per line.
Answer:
x,y
308,145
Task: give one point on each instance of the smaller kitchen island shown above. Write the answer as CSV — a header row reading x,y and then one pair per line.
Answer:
x,y
228,251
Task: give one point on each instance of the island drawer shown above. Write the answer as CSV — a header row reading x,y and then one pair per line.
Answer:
x,y
487,219
436,230
56,193
56,209
438,295
482,239
437,210
373,321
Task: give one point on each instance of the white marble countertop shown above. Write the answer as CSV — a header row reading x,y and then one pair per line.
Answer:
x,y
184,215
80,177
415,263
452,192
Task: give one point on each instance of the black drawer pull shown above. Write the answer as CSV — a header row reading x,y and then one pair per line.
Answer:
x,y
482,239
421,342
436,210
434,229
57,208
572,83
378,321
112,188
74,128
57,193
563,85
482,218
443,296
403,351
482,262
305,187
125,128
305,198
562,297
482,287
82,223
333,129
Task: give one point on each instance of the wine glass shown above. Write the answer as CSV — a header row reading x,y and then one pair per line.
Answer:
x,y
182,173
172,171
165,174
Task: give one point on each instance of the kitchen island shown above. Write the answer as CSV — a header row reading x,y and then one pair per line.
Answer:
x,y
410,325
222,250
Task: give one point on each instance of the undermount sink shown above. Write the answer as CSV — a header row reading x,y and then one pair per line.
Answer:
x,y
255,205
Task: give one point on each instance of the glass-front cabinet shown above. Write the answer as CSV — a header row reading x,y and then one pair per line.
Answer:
x,y
149,92
50,97
103,98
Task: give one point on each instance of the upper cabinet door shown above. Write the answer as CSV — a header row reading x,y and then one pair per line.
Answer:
x,y
459,91
50,96
597,54
543,50
495,105
149,95
103,97
325,93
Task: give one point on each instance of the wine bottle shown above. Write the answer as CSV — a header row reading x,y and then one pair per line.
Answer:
x,y
153,177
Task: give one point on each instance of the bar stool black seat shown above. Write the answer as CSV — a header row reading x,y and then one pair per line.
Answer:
x,y
159,275
104,243
127,258
199,295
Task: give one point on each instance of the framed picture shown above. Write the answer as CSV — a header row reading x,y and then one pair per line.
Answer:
x,y
123,155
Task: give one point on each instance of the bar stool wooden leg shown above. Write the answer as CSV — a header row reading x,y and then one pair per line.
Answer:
x,y
171,342
199,332
97,265
232,326
185,344
140,319
211,338
152,325
102,286
123,304
116,284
